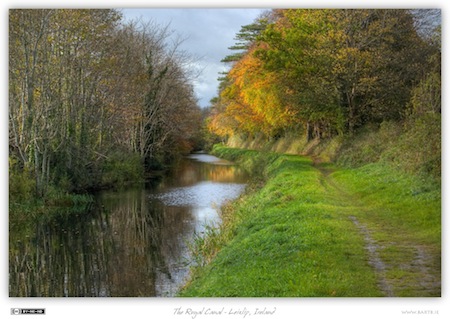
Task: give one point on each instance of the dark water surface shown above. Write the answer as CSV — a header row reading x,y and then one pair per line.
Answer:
x,y
130,243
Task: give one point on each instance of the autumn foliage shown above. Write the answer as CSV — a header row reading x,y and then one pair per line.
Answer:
x,y
90,94
322,73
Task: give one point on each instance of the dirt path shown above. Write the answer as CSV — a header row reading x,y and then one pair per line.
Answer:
x,y
403,267
374,258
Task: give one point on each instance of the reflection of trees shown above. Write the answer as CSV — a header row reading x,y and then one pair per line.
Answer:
x,y
146,244
117,250
131,265
226,174
64,258
126,246
191,172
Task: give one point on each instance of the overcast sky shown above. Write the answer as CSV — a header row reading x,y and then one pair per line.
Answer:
x,y
208,33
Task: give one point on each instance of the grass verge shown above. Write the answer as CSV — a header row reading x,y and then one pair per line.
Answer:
x,y
314,231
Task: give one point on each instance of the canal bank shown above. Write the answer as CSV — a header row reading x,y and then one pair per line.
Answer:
x,y
313,230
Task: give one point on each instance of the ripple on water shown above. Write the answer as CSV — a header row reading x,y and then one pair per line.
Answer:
x,y
204,194
206,158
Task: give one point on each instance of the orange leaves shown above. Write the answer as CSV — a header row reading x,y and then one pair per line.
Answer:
x,y
253,99
335,69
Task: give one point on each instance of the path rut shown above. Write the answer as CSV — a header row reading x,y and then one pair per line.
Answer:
x,y
420,269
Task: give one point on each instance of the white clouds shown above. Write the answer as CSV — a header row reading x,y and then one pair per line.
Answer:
x,y
208,33
206,85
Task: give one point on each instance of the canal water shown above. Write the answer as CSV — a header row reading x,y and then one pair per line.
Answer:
x,y
131,243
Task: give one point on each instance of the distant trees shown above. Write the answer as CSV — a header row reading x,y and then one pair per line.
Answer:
x,y
86,89
326,72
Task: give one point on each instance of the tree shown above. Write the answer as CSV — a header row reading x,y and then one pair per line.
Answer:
x,y
86,90
247,36
377,63
28,30
298,46
327,71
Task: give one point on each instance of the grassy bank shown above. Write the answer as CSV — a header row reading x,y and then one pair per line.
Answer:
x,y
390,143
313,230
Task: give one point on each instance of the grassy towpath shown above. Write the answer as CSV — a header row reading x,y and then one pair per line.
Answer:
x,y
313,230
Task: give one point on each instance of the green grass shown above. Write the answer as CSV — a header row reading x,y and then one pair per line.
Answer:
x,y
404,215
295,236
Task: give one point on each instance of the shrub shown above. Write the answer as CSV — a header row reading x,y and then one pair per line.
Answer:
x,y
413,148
121,168
418,150
21,182
368,145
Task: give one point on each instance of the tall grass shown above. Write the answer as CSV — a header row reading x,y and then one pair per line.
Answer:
x,y
413,148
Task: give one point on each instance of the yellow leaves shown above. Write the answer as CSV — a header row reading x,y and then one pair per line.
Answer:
x,y
254,100
338,67
244,69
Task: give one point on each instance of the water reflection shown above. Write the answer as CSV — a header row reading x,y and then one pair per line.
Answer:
x,y
131,243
